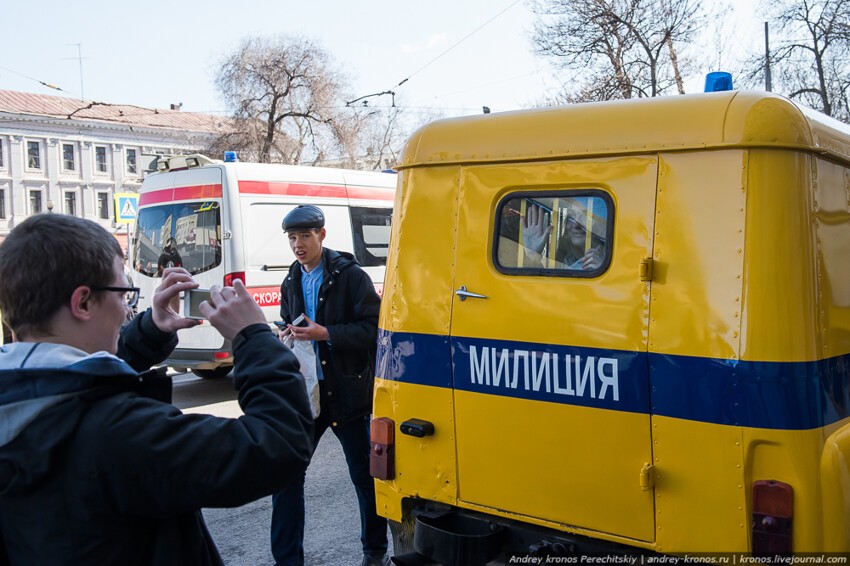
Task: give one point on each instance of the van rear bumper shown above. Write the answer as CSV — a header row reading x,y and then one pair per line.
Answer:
x,y
434,533
192,359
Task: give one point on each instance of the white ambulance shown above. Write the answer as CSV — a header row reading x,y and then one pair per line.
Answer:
x,y
222,221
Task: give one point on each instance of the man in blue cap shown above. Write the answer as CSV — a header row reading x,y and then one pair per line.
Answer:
x,y
340,308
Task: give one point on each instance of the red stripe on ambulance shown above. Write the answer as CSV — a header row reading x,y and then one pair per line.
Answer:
x,y
291,189
325,191
266,296
270,296
196,192
371,193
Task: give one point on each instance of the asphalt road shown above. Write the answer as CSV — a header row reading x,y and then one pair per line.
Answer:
x,y
332,530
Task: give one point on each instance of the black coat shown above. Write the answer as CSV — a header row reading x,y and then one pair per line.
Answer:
x,y
348,307
109,472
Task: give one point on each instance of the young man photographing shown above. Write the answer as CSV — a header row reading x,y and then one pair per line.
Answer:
x,y
341,307
96,465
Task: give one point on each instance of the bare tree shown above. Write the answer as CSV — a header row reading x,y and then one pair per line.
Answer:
x,y
372,137
810,55
285,94
383,138
616,48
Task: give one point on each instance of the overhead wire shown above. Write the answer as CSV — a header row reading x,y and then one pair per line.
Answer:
x,y
537,70
48,85
392,93
467,36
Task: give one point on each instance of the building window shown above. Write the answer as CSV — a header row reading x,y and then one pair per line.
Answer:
x,y
132,163
33,155
103,206
71,204
100,159
3,204
35,202
68,163
2,163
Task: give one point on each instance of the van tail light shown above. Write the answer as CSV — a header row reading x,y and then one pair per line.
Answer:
x,y
382,452
231,277
773,509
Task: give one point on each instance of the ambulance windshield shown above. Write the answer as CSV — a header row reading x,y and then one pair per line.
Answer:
x,y
183,235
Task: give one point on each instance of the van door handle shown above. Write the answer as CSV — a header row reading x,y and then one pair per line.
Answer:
x,y
463,294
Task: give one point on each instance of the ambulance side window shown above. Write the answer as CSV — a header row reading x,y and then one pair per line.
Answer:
x,y
554,233
371,234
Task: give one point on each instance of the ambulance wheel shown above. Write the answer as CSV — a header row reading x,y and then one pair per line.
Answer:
x,y
216,373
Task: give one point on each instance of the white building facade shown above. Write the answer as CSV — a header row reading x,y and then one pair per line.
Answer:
x,y
62,155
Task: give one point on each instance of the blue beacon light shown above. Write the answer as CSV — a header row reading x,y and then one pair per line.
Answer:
x,y
718,81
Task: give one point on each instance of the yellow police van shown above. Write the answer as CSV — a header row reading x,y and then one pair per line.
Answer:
x,y
618,327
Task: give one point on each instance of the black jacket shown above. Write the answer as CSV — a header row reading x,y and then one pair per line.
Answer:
x,y
97,467
348,307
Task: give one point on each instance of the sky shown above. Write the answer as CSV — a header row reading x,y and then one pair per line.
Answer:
x,y
457,55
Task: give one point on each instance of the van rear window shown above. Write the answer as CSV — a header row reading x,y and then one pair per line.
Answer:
x,y
184,235
554,233
371,231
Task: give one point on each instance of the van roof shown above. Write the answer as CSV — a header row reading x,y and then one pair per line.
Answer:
x,y
732,119
275,172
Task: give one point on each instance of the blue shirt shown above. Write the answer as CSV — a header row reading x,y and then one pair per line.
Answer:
x,y
311,282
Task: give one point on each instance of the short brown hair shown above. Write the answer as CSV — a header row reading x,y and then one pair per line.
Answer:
x,y
44,259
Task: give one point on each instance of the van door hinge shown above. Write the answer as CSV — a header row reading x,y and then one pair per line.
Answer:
x,y
647,477
646,269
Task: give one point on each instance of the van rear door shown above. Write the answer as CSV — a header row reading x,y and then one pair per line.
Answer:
x,y
550,359
180,224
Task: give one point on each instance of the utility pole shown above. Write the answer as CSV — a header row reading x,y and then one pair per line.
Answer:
x,y
79,58
767,83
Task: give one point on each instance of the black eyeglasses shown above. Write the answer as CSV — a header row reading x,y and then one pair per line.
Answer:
x,y
131,294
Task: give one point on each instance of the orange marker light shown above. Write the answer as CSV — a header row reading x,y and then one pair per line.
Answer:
x,y
773,511
382,451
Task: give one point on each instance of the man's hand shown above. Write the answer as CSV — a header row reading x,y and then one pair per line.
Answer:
x,y
313,331
166,300
230,309
536,227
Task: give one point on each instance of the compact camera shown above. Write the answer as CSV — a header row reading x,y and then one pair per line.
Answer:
x,y
192,300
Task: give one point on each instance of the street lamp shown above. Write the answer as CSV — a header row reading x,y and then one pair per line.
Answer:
x,y
49,206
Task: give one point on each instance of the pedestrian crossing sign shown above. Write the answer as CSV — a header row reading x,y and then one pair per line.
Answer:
x,y
126,205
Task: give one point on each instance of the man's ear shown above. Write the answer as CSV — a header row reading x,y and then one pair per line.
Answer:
x,y
81,303
322,234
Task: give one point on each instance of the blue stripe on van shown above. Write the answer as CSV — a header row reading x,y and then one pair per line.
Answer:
x,y
790,396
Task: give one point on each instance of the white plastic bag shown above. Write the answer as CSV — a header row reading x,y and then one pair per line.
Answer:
x,y
306,354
